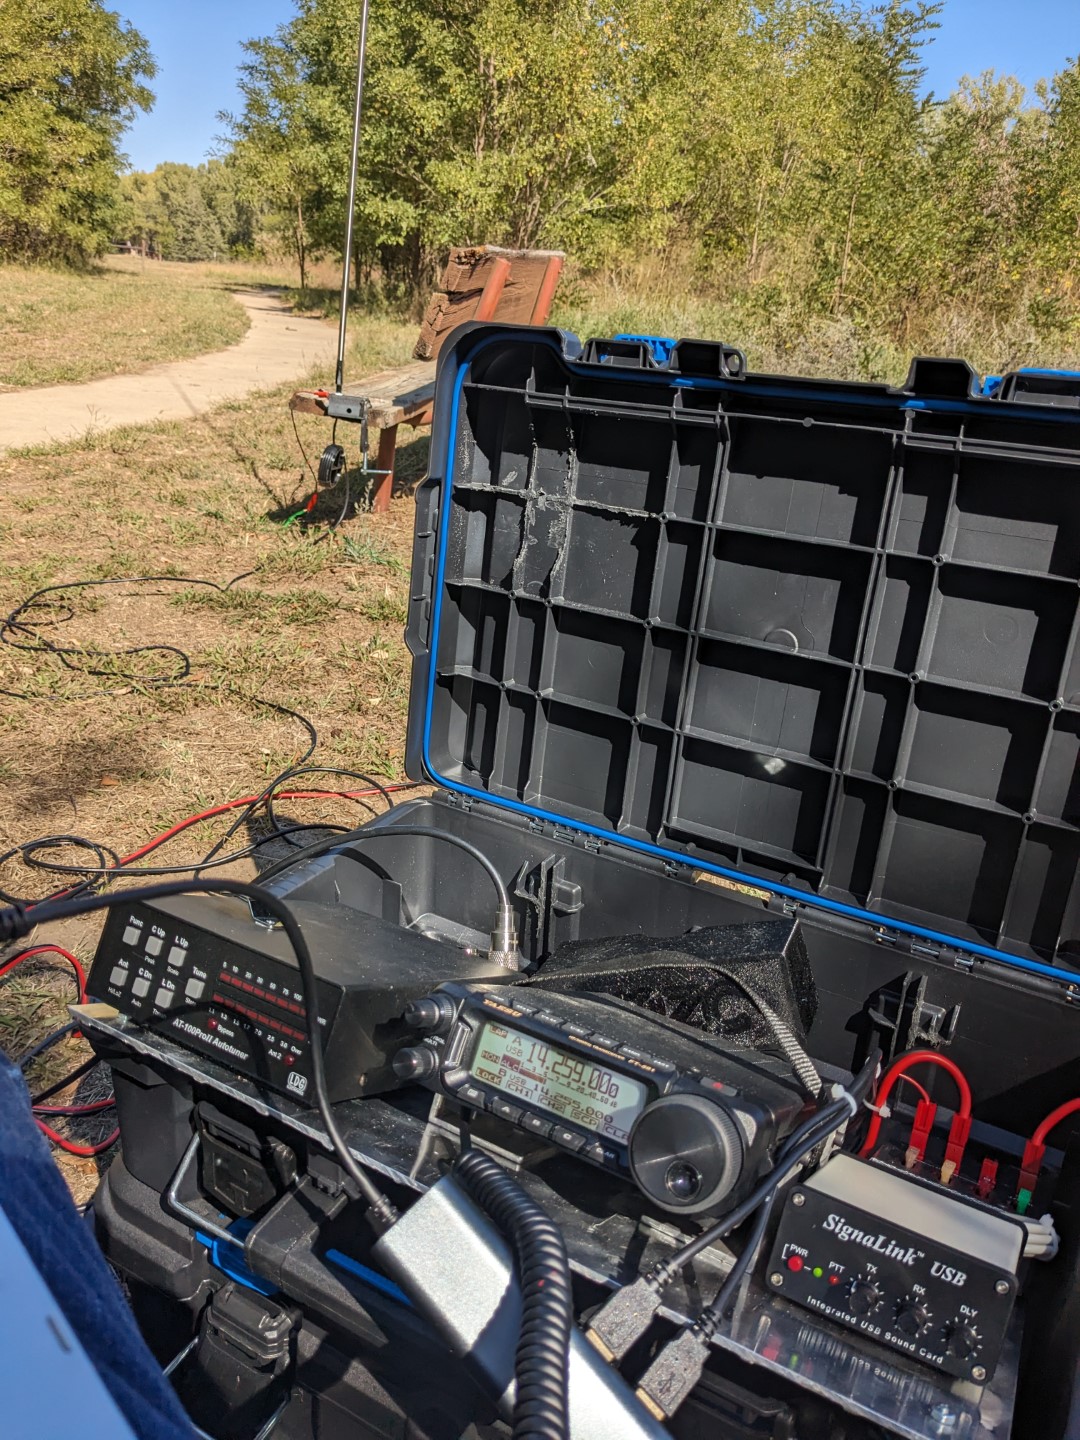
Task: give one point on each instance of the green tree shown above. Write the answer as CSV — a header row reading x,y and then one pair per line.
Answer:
x,y
72,76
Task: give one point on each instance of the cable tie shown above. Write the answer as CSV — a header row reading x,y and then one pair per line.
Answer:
x,y
838,1093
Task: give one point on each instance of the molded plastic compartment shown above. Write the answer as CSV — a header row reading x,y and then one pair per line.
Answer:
x,y
825,635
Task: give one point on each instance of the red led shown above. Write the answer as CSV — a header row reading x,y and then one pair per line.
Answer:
x,y
834,1279
795,1262
211,1024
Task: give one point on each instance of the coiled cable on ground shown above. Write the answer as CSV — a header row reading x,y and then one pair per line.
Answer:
x,y
541,1368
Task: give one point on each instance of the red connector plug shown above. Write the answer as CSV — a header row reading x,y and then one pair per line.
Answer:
x,y
921,1127
959,1131
987,1178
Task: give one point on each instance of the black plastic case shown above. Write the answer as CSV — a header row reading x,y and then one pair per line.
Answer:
x,y
813,638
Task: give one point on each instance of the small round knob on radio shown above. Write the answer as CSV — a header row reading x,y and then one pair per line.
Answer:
x,y
430,1012
864,1297
416,1062
963,1341
912,1316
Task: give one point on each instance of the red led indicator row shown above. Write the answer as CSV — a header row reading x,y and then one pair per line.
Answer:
x,y
276,1025
260,994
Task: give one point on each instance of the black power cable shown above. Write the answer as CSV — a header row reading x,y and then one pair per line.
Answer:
x,y
17,921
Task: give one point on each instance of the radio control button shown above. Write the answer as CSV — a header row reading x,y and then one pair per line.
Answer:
x,y
605,1040
632,1054
471,1095
506,1111
579,1032
568,1139
141,987
545,1017
119,975
536,1124
523,1006
598,1151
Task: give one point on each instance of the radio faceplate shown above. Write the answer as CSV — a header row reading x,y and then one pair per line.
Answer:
x,y
690,1119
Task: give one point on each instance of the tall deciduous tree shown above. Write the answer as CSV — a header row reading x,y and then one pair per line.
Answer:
x,y
72,76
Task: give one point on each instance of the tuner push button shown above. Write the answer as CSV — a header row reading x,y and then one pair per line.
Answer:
x,y
864,1297
416,1062
912,1316
194,989
141,988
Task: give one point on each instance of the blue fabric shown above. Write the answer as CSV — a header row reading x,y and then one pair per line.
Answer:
x,y
35,1199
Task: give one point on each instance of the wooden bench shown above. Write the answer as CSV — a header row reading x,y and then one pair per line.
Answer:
x,y
479,283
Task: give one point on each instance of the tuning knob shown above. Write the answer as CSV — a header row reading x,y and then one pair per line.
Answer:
x,y
864,1297
912,1316
416,1062
433,1013
963,1341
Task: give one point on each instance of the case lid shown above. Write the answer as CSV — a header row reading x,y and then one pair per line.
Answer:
x,y
813,635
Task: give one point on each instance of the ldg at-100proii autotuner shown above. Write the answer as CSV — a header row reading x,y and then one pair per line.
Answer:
x,y
693,1120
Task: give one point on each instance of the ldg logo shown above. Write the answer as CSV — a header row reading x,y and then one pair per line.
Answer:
x,y
296,1082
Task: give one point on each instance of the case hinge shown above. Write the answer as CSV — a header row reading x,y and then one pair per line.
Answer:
x,y
536,825
459,801
564,833
592,842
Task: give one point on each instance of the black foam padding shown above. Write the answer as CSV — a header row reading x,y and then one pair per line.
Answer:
x,y
681,976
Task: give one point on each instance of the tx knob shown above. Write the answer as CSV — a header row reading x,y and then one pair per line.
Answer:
x,y
963,1340
912,1316
864,1297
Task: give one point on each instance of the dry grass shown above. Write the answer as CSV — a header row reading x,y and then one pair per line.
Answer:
x,y
317,626
59,327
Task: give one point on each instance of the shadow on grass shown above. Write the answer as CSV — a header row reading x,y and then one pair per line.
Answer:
x,y
353,493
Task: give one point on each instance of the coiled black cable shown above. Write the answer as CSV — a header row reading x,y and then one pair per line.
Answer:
x,y
541,1365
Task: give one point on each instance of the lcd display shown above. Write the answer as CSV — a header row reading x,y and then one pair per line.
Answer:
x,y
576,1090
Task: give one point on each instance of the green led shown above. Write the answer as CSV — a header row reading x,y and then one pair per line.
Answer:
x,y
818,1272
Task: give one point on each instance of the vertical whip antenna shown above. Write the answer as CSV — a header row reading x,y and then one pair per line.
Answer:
x,y
350,214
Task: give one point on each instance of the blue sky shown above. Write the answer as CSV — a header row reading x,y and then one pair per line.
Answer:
x,y
197,47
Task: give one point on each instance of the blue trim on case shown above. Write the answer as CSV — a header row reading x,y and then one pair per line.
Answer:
x,y
804,897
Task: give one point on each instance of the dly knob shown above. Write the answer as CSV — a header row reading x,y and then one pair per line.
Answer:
x,y
963,1340
864,1297
912,1316
416,1062
431,1012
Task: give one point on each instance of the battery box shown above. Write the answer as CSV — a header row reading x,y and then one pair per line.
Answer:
x,y
694,647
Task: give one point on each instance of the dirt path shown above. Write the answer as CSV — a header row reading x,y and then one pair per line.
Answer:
x,y
279,346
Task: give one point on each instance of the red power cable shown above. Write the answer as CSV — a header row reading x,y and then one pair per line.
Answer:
x,y
80,973
899,1068
1055,1118
72,1148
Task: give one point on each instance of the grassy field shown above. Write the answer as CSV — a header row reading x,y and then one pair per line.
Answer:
x,y
59,327
316,625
